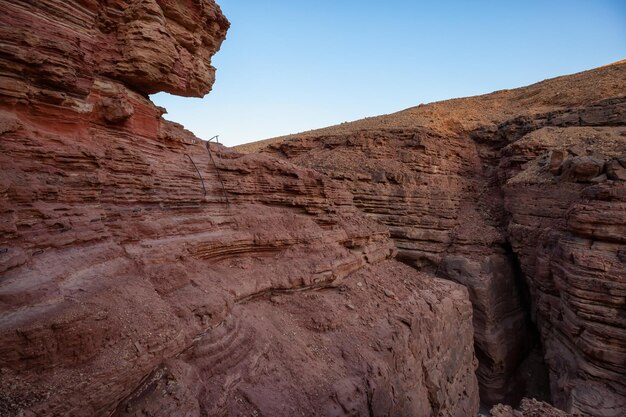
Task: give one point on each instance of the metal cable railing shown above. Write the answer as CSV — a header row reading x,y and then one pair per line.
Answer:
x,y
198,171
219,177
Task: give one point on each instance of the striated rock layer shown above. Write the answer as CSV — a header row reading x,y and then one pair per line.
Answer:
x,y
144,272
518,195
434,195
443,209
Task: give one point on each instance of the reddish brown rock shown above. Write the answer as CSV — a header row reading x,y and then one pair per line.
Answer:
x,y
150,45
557,157
501,192
529,408
434,194
569,236
582,168
116,109
307,353
142,275
615,170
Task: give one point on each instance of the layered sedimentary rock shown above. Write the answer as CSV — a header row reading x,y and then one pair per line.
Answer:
x,y
437,201
521,188
144,272
568,225
150,46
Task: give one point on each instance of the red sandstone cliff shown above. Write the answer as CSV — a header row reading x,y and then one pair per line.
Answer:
x,y
520,195
133,284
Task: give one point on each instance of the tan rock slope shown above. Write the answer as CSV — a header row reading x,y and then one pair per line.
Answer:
x,y
144,272
464,115
521,196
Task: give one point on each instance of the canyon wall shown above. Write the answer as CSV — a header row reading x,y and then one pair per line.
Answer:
x,y
144,272
519,196
436,198
565,190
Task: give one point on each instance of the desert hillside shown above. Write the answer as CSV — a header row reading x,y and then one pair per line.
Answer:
x,y
464,253
470,113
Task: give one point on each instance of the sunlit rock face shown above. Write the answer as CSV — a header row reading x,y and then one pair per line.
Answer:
x,y
144,272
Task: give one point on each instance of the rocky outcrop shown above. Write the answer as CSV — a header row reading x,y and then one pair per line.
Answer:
x,y
149,45
351,351
444,212
529,408
568,213
523,207
144,272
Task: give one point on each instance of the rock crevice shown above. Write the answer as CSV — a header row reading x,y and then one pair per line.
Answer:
x,y
531,198
141,275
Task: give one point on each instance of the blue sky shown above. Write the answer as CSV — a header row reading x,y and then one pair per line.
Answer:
x,y
288,66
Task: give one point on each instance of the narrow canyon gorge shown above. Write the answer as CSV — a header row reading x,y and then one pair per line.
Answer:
x,y
465,252
519,196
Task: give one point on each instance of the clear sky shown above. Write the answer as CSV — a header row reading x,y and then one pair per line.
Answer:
x,y
288,66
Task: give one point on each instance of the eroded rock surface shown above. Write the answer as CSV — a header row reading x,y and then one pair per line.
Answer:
x,y
518,195
435,197
144,272
149,45
568,229
529,408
